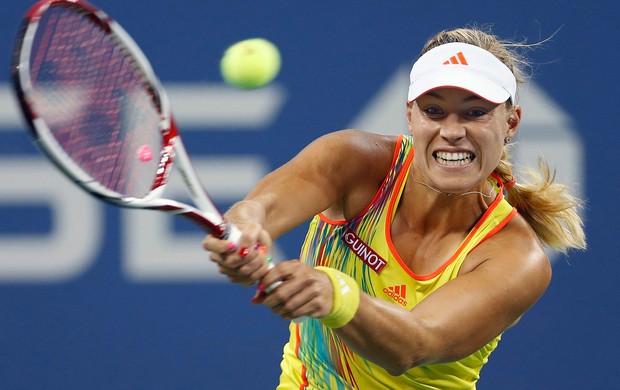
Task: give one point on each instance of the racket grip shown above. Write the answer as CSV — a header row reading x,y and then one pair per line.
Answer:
x,y
274,285
232,233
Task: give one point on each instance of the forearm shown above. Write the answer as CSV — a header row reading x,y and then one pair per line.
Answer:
x,y
389,336
283,201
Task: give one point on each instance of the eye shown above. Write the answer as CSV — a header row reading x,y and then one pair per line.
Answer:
x,y
476,112
433,111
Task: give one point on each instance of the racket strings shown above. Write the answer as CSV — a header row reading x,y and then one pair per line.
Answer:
x,y
94,100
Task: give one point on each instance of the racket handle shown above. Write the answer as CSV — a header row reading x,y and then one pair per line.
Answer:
x,y
232,233
274,285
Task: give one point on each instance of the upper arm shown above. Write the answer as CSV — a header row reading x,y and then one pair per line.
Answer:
x,y
330,172
469,311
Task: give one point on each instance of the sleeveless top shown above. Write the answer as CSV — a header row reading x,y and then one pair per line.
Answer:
x,y
315,358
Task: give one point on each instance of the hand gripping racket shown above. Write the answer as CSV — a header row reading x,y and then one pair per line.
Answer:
x,y
96,109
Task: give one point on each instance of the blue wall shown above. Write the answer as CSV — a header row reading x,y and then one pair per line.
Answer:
x,y
85,304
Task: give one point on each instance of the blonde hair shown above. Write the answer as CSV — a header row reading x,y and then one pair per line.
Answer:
x,y
550,209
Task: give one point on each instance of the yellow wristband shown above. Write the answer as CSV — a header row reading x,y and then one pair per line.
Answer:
x,y
346,298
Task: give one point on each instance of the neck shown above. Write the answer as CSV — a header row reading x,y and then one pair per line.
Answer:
x,y
487,195
429,208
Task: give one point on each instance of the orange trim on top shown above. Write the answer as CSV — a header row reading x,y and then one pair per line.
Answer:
x,y
499,226
500,183
465,242
399,142
399,182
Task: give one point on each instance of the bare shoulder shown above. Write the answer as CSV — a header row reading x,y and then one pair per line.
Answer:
x,y
354,155
359,143
356,163
516,254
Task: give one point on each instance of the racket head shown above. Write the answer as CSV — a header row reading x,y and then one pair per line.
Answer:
x,y
92,101
95,107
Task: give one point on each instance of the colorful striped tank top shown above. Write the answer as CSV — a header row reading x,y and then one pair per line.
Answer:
x,y
315,358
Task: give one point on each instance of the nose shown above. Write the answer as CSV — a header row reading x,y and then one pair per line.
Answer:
x,y
452,129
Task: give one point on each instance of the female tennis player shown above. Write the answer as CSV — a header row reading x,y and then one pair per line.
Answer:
x,y
414,262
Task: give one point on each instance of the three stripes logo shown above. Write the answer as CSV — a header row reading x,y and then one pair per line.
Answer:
x,y
397,293
458,59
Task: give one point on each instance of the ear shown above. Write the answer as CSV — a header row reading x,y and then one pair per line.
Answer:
x,y
513,121
409,111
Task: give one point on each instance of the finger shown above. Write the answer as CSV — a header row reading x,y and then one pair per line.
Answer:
x,y
253,270
249,272
241,281
296,307
214,244
301,292
253,234
255,254
216,258
236,278
274,276
259,297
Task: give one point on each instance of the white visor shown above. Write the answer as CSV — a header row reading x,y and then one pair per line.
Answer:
x,y
464,66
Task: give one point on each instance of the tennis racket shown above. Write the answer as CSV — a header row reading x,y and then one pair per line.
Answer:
x,y
96,108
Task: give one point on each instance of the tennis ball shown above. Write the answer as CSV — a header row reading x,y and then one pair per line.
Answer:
x,y
251,63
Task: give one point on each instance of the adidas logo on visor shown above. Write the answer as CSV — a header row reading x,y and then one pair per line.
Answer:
x,y
483,74
458,59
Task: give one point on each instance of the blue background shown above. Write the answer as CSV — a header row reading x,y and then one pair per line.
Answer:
x,y
101,331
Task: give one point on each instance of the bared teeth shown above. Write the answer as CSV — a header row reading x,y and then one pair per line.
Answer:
x,y
453,159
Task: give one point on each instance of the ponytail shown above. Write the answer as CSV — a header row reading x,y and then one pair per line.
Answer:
x,y
550,209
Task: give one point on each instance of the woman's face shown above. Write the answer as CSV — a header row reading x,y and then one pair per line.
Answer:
x,y
458,138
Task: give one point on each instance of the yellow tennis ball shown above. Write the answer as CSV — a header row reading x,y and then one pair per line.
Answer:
x,y
251,63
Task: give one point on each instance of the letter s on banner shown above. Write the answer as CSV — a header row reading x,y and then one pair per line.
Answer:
x,y
70,247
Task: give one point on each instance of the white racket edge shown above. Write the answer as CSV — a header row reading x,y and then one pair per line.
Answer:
x,y
204,203
154,200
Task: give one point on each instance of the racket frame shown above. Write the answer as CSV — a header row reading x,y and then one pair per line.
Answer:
x,y
206,215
